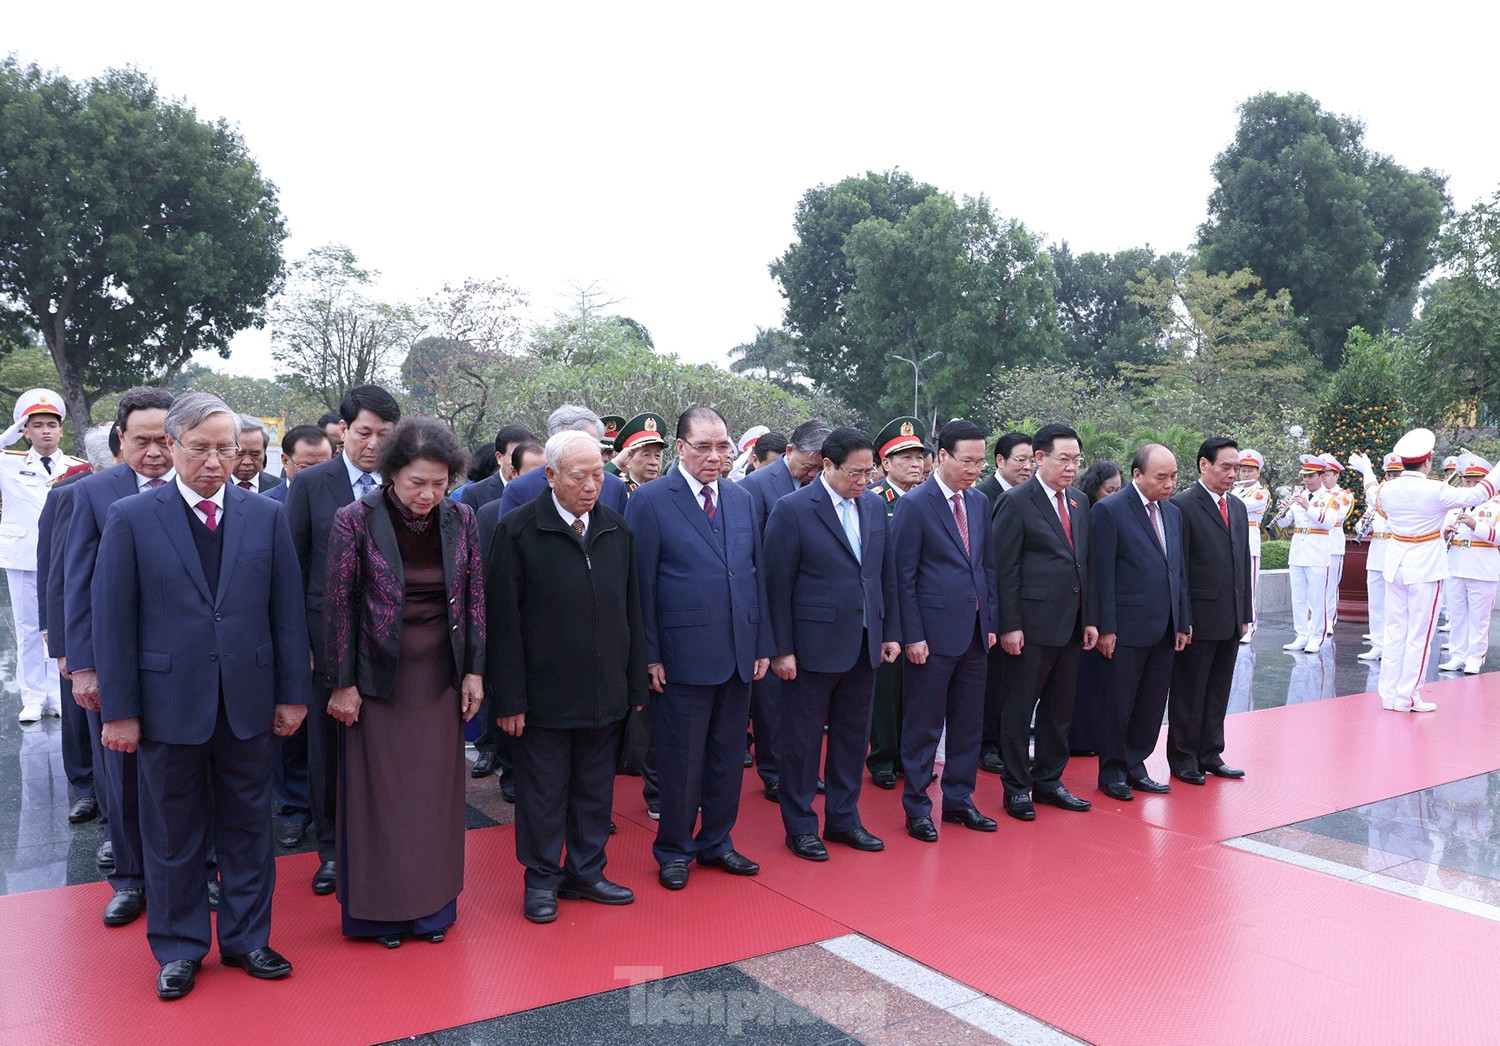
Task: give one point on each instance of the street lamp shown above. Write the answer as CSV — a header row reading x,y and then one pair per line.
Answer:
x,y
916,378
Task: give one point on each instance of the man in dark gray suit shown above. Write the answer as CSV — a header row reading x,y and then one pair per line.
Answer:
x,y
1013,465
1216,549
367,415
478,495
250,467
1047,615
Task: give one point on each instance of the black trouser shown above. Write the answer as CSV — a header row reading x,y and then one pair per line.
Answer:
x,y
1201,677
943,691
289,784
77,752
842,700
1040,680
1135,697
563,795
765,709
994,702
323,772
123,802
638,753
495,741
885,718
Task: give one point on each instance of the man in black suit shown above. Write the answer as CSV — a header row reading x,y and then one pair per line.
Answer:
x,y
250,468
1047,614
1144,616
367,414
1216,549
1013,465
478,495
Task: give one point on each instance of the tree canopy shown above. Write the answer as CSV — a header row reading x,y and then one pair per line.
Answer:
x,y
132,233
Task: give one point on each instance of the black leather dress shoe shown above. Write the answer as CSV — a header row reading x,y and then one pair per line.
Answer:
x,y
822,787
124,907
104,857
540,906
734,863
883,779
1234,773
773,792
1192,777
1146,784
291,833
434,936
807,847
1019,806
970,818
176,978
508,791
215,893
86,809
673,875
483,766
921,829
264,963
749,759
1118,790
857,838
991,763
602,892
1061,798
327,878
389,940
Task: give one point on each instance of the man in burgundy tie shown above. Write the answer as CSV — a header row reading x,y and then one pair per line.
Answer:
x,y
945,583
1216,548
212,669
250,467
1144,616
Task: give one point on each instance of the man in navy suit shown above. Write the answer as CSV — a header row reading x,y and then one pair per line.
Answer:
x,y
1144,616
794,470
477,495
703,602
147,466
946,582
831,591
367,415
522,490
204,659
302,447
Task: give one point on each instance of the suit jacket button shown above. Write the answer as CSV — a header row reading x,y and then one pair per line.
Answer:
x,y
731,573
213,657
218,617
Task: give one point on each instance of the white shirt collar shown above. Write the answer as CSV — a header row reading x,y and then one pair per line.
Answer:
x,y
943,487
355,472
838,499
1139,493
696,487
568,517
192,497
1211,494
1051,494
141,481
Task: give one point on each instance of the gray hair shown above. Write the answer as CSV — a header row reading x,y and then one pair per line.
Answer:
x,y
558,444
96,446
250,423
570,417
808,437
192,409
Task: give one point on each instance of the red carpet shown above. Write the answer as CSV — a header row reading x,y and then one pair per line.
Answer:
x,y
1130,924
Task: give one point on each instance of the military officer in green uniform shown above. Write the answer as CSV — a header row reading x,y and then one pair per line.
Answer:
x,y
640,446
900,447
609,443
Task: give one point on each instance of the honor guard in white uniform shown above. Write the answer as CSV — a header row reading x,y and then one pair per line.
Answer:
x,y
1376,533
1473,570
25,478
1340,504
1416,563
1307,559
1257,499
1445,610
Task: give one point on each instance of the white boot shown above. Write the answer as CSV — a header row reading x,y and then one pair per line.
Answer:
x,y
1418,705
1473,666
1248,636
1453,664
1373,654
1296,644
1313,645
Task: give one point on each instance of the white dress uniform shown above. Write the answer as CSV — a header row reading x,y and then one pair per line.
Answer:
x,y
1473,571
1307,565
1340,504
25,478
1416,563
1376,542
1257,499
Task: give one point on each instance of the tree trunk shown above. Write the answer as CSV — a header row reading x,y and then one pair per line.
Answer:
x,y
71,379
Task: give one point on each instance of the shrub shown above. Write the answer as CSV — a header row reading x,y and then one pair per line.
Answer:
x,y
1273,554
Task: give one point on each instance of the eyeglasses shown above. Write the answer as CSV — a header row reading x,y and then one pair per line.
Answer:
x,y
712,448
970,463
1066,462
227,453
855,475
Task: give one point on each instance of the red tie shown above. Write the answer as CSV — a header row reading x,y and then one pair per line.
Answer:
x,y
963,521
1224,509
247,484
1067,520
708,503
208,509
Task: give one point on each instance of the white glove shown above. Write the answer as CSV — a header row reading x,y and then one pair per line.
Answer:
x,y
12,434
1361,464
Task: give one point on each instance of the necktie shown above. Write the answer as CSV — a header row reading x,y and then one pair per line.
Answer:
x,y
152,484
364,484
47,463
247,484
578,527
1067,520
1224,509
708,502
1156,525
962,520
208,509
851,528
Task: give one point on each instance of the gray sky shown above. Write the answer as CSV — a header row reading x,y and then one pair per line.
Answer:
x,y
660,150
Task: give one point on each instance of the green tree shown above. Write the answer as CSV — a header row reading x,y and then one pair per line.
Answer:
x,y
1361,409
329,333
1303,203
772,356
132,233
1026,397
1100,326
257,396
588,332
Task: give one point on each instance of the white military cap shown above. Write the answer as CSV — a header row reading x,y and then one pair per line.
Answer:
x,y
1415,447
1252,457
39,401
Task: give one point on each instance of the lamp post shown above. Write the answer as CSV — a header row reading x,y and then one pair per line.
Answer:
x,y
916,378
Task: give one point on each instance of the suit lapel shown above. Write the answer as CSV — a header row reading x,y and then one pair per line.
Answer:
x,y
382,533
944,510
234,531
1049,511
823,509
126,483
682,497
1133,499
175,523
